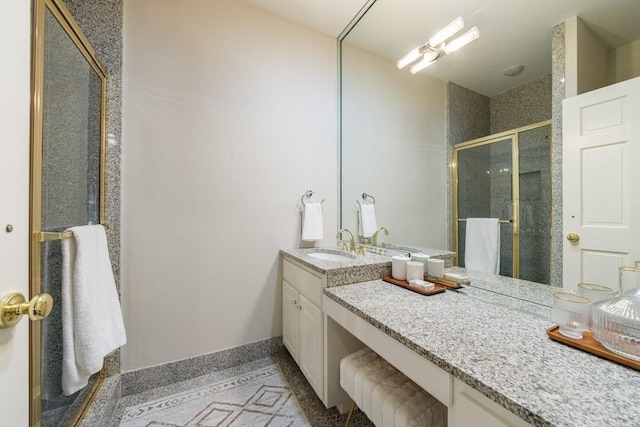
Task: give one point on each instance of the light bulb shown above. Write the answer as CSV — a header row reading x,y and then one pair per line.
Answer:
x,y
461,41
419,66
409,58
442,35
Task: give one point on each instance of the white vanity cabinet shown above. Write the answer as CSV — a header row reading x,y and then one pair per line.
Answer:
x,y
302,320
471,408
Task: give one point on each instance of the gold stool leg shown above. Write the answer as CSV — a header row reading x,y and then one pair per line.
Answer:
x,y
353,407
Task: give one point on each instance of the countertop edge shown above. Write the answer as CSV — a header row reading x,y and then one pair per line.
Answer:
x,y
486,390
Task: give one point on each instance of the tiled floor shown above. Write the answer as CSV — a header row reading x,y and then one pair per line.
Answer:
x,y
313,408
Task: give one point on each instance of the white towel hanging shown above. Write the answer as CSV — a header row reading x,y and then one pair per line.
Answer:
x,y
368,224
312,222
482,245
92,325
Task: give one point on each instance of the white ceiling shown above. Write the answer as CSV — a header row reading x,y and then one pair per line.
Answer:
x,y
511,31
327,16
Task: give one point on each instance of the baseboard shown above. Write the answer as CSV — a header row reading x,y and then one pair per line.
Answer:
x,y
134,382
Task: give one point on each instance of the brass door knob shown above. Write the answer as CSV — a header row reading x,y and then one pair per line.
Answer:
x,y
14,306
573,237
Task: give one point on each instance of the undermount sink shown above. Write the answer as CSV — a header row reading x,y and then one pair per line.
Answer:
x,y
332,256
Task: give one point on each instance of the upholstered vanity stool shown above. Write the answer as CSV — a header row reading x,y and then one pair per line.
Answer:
x,y
386,395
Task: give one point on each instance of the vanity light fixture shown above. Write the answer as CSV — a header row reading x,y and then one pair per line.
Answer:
x,y
436,46
461,41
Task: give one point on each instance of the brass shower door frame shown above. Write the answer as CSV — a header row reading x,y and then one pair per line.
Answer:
x,y
66,21
511,134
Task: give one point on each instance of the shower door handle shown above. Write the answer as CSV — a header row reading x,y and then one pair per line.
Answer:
x,y
14,306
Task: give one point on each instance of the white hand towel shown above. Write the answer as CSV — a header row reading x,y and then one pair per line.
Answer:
x,y
92,325
312,222
482,245
368,224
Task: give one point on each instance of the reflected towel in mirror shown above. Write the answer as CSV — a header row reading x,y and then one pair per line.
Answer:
x,y
368,224
482,245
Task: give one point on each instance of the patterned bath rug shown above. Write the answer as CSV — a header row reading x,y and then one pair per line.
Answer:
x,y
258,398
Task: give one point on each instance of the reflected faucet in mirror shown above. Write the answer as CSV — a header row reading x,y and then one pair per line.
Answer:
x,y
375,235
352,242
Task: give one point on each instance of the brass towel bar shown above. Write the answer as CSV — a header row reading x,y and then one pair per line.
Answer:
x,y
48,236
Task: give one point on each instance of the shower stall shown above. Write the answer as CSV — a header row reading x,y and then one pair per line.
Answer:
x,y
508,176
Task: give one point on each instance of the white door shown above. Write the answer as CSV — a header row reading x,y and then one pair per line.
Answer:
x,y
290,318
311,337
601,183
15,50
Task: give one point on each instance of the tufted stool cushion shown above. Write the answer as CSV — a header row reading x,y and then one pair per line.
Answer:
x,y
387,396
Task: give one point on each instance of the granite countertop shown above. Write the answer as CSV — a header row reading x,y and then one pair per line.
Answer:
x,y
503,353
358,269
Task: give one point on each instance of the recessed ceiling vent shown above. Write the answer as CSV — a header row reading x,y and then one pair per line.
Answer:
x,y
514,70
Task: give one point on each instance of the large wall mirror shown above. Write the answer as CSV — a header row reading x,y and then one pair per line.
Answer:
x,y
399,131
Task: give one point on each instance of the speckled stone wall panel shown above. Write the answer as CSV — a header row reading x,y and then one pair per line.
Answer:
x,y
468,114
141,380
101,23
558,94
523,105
467,117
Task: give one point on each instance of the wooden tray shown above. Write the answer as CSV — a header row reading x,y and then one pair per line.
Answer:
x,y
590,345
404,284
443,282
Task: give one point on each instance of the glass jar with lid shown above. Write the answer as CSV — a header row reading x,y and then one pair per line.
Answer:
x,y
615,322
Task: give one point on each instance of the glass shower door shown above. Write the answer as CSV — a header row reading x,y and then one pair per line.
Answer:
x,y
485,190
508,177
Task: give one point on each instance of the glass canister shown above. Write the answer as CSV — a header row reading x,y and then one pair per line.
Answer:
x,y
616,322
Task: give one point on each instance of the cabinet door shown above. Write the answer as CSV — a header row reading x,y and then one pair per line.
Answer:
x,y
290,319
470,408
311,337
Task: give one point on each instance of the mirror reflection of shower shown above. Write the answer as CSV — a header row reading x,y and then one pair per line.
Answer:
x,y
509,177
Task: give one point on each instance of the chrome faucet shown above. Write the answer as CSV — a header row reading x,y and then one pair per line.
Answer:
x,y
375,235
352,243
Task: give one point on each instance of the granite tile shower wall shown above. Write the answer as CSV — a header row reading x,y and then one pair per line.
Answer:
x,y
101,22
521,106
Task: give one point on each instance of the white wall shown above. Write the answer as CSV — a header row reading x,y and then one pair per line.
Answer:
x,y
394,147
586,66
229,116
624,62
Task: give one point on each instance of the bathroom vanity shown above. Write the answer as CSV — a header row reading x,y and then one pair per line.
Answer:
x,y
305,274
483,352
